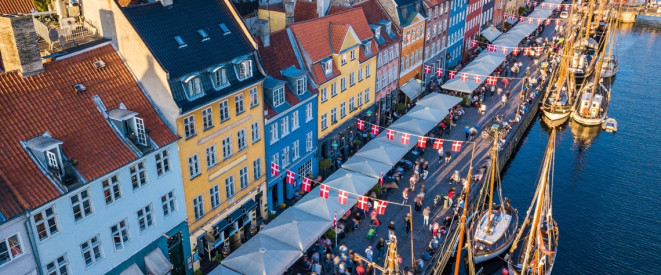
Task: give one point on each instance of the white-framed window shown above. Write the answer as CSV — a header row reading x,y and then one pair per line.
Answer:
x,y
243,177
257,168
285,156
241,139
278,96
214,196
254,130
168,203
344,59
207,118
59,266
352,79
343,83
211,156
333,115
284,126
334,89
219,77
111,189
300,85
198,207
324,94
245,69
254,97
324,121
275,158
138,175
189,126
368,48
308,112
343,109
328,67
360,99
193,166
273,132
352,104
229,187
227,148
379,60
360,74
224,108
367,95
308,142
193,87
10,248
162,162
294,121
120,234
53,161
378,83
238,102
305,170
81,205
145,217
367,71
353,54
296,150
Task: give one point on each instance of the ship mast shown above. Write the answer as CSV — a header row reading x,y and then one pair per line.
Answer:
x,y
494,155
462,225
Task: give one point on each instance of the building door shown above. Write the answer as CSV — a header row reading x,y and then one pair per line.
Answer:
x,y
274,197
176,254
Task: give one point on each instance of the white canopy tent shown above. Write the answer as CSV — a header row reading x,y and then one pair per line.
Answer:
x,y
413,125
439,101
412,88
427,113
491,33
294,227
382,152
366,166
260,256
351,181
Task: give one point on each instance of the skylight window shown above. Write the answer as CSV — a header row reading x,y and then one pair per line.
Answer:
x,y
180,41
203,34
223,27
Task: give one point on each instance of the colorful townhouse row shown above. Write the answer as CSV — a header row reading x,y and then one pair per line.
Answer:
x,y
150,150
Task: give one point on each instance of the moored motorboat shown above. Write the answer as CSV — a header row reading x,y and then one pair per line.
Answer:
x,y
610,125
609,69
592,106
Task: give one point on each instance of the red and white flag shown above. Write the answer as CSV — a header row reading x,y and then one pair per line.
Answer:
x,y
534,4
529,20
360,124
557,21
521,19
456,146
491,80
306,185
275,169
439,72
380,207
538,50
427,69
539,21
324,190
422,142
438,143
451,74
375,129
548,22
405,138
335,220
526,51
503,50
291,177
342,197
567,7
542,5
505,15
362,202
492,48
473,43
477,78
390,134
512,17
464,77
527,3
515,51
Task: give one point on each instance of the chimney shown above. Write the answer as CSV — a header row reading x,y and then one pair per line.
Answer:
x,y
262,26
404,11
322,7
289,10
166,3
18,45
417,7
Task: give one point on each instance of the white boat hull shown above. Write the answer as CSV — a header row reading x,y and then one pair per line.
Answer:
x,y
486,257
588,121
556,116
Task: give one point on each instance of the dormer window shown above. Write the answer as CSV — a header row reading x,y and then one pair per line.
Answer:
x,y
300,85
129,125
388,28
245,69
203,34
193,86
219,77
328,67
47,152
368,48
278,96
224,28
180,41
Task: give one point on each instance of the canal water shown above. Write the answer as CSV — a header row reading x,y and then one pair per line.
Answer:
x,y
607,188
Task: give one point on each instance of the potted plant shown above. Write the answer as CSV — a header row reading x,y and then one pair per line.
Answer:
x,y
400,107
324,165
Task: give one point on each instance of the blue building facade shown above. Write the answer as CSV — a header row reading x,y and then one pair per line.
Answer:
x,y
456,31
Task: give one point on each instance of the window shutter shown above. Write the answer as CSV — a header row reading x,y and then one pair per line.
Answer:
x,y
140,131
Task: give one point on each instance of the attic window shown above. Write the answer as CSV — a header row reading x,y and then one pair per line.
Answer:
x,y
203,34
79,87
388,28
129,125
328,67
47,151
99,64
368,48
180,41
300,85
223,27
245,69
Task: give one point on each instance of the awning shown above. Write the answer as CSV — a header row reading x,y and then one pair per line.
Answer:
x,y
511,20
427,113
366,166
413,125
132,270
491,33
295,228
439,101
323,208
157,263
250,205
261,255
412,89
351,181
385,153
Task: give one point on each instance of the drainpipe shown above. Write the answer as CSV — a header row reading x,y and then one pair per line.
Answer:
x,y
33,244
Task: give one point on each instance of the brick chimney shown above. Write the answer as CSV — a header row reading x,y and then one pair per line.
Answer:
x,y
262,26
18,45
289,10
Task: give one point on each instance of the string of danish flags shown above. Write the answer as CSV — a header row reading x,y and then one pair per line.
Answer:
x,y
379,206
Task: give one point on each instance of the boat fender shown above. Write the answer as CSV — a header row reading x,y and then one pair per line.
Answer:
x,y
504,271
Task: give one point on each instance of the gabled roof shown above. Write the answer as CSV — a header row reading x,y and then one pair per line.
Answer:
x,y
17,6
11,202
48,102
304,10
338,33
336,9
157,26
375,15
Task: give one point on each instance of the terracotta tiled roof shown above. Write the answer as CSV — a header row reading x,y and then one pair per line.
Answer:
x,y
432,3
336,9
16,6
47,102
11,203
375,13
304,10
319,76
279,55
338,32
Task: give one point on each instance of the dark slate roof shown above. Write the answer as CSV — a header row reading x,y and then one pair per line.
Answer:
x,y
158,25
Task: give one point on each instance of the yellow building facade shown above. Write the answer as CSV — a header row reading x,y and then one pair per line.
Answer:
x,y
277,19
413,43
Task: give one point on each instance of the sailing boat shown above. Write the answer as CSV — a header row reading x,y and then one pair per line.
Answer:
x,y
560,94
610,66
495,229
584,50
538,247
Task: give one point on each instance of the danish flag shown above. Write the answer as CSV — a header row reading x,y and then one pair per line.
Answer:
x,y
439,72
492,48
375,130
324,190
422,142
526,51
566,7
529,20
538,50
275,169
335,220
476,78
390,134
512,17
438,143
534,4
527,3
515,51
427,69
456,146
291,177
542,5
505,15
548,22
380,207
361,124
521,19
451,74
503,50
405,138
491,80
557,21
306,185
362,202
539,21
473,43
342,197
464,76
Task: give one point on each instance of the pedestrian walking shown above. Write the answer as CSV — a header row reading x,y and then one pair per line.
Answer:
x,y
369,253
505,82
407,223
418,204
391,227
467,130
448,157
451,195
503,101
405,196
412,181
434,228
425,215
440,155
380,248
